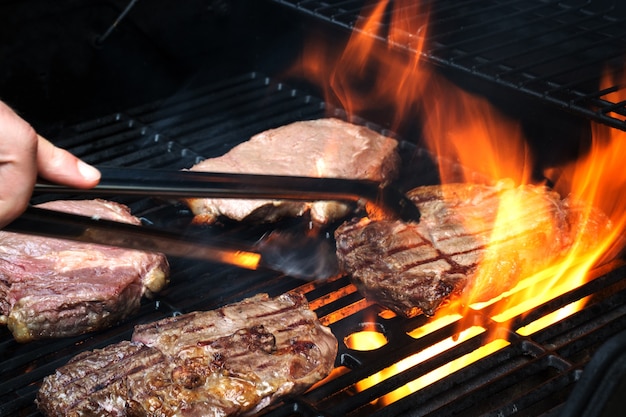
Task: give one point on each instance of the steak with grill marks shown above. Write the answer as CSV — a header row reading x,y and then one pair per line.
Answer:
x,y
57,288
312,148
412,268
234,360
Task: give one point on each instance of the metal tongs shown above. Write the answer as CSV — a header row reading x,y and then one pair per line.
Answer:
x,y
305,259
385,200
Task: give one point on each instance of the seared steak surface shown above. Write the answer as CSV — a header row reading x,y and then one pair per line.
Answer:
x,y
56,288
233,360
316,148
412,268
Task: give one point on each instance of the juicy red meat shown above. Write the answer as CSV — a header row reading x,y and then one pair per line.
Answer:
x,y
55,288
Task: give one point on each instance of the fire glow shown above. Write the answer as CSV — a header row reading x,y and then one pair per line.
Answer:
x,y
242,259
369,337
489,147
436,374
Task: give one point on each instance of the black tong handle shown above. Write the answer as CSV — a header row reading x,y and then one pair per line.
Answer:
x,y
51,223
311,261
193,184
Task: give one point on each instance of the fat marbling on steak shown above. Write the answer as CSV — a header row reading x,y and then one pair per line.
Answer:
x,y
413,268
57,288
234,360
314,148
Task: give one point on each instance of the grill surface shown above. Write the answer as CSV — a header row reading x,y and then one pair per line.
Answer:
x,y
531,376
551,50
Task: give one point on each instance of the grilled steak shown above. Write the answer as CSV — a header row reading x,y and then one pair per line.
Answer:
x,y
233,360
56,288
316,148
413,268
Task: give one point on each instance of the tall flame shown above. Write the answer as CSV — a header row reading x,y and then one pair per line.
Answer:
x,y
484,146
599,177
594,187
369,75
467,129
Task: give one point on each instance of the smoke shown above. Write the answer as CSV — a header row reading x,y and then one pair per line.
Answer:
x,y
305,257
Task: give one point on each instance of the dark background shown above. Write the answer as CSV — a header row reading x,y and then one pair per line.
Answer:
x,y
54,71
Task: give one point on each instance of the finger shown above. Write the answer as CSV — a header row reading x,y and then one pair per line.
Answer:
x,y
61,167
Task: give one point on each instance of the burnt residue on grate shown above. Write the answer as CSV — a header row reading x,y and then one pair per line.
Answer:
x,y
516,374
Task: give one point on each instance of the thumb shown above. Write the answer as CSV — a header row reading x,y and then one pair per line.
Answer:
x,y
61,167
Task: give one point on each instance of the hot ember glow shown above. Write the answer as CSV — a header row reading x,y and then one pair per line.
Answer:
x,y
242,259
370,336
413,361
487,147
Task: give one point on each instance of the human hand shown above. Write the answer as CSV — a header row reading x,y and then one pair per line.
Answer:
x,y
25,156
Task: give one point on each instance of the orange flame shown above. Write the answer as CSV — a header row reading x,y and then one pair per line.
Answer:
x,y
594,187
599,178
467,129
242,259
557,255
369,336
489,148
369,75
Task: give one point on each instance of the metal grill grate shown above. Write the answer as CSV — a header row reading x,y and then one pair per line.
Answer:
x,y
531,376
553,50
